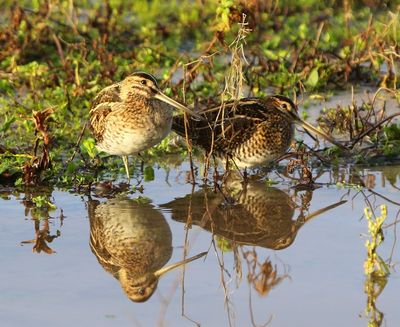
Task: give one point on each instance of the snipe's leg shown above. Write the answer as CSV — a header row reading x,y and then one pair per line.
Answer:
x,y
125,159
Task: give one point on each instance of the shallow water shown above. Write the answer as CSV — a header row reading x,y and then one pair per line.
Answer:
x,y
274,255
270,259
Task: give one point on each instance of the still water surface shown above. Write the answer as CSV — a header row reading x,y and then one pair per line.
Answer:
x,y
273,255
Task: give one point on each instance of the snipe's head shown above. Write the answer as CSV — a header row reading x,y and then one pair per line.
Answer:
x,y
140,288
141,84
286,106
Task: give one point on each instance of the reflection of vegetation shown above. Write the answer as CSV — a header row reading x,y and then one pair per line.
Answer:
x,y
42,237
39,207
41,201
262,276
376,270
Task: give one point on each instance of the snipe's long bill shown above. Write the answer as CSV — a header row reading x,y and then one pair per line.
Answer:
x,y
132,115
251,131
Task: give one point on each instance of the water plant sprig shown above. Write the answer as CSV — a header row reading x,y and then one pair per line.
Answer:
x,y
374,264
375,268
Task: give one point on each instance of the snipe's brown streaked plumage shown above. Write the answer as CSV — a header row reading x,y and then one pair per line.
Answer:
x,y
251,131
131,116
133,242
255,215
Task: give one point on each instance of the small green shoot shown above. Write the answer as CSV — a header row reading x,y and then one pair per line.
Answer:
x,y
224,244
89,147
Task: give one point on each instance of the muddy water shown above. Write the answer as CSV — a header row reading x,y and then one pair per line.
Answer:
x,y
291,258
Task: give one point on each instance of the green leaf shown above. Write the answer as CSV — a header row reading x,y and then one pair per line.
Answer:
x,y
392,132
148,174
71,167
89,146
270,54
19,182
6,125
224,244
313,78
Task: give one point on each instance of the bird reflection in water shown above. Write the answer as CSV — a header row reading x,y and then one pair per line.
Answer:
x,y
133,242
251,215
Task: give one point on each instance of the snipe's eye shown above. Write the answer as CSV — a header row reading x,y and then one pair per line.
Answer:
x,y
143,82
141,291
285,106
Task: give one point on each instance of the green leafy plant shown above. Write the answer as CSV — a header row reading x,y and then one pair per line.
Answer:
x,y
47,63
89,147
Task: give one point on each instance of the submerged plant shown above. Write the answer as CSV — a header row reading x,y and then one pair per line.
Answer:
x,y
375,268
374,264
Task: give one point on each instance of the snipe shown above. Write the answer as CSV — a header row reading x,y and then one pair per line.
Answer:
x,y
133,242
251,131
250,214
131,116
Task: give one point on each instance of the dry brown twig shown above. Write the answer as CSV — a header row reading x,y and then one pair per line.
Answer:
x,y
33,168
